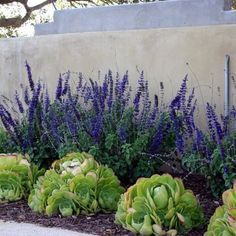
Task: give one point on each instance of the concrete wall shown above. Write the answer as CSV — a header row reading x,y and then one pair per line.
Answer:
x,y
164,55
159,14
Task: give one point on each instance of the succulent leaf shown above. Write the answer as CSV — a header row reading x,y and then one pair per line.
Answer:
x,y
156,203
223,221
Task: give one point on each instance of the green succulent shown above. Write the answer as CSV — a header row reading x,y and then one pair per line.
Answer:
x,y
61,201
98,190
76,184
223,222
75,163
108,189
16,164
16,177
154,204
11,188
43,190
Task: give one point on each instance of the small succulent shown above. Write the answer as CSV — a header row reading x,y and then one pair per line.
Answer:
x,y
16,177
98,190
43,189
223,222
76,184
61,201
159,205
75,163
11,187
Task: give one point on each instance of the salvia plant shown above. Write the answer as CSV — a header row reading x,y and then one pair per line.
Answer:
x,y
100,118
159,205
16,177
223,222
124,129
77,184
213,154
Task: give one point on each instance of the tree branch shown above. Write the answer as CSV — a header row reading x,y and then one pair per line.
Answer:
x,y
18,20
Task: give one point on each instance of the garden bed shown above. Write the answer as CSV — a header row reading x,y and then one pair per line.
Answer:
x,y
103,224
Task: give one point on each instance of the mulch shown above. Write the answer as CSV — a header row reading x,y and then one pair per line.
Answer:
x,y
103,224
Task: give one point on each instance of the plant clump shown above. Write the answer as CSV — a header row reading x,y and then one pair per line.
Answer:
x,y
159,205
77,184
223,222
16,177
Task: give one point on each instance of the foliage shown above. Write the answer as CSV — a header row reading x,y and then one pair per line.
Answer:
x,y
213,154
131,133
101,119
91,188
6,145
223,222
16,177
158,203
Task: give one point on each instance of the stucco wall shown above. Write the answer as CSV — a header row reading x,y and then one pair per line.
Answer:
x,y
164,55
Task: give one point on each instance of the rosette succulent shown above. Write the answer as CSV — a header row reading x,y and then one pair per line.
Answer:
x,y
98,190
223,222
75,163
76,184
43,189
159,205
16,177
61,201
11,187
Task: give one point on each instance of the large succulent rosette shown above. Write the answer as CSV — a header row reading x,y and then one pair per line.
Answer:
x,y
159,205
76,184
223,222
16,177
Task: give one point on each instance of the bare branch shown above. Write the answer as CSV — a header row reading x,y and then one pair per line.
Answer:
x,y
41,5
18,21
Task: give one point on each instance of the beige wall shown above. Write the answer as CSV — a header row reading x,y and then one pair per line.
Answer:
x,y
164,55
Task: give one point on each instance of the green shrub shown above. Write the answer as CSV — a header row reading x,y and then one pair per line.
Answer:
x,y
156,204
76,184
223,222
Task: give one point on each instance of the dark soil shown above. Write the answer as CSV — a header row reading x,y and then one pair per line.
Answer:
x,y
103,224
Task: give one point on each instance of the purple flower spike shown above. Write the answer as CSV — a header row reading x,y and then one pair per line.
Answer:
x,y
19,103
30,79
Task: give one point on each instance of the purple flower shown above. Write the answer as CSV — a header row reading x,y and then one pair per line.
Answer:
x,y
122,134
80,83
96,127
46,101
159,136
213,124
136,102
110,83
210,122
182,91
32,110
95,96
59,89
29,73
26,96
19,103
66,84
